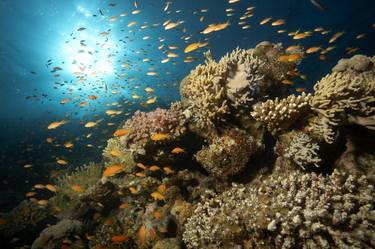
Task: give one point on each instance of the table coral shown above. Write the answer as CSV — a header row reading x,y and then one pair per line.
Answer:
x,y
287,211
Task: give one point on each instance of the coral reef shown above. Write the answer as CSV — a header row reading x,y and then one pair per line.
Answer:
x,y
205,173
287,211
279,114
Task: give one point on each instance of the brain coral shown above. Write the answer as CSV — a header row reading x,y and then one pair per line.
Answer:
x,y
287,211
346,95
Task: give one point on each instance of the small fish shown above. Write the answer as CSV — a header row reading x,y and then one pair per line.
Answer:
x,y
168,170
313,50
215,27
93,97
135,12
278,22
56,124
152,73
151,101
177,150
140,165
171,25
119,239
265,20
42,202
90,124
123,206
120,132
159,136
317,4
30,194
132,24
194,46
39,186
133,190
154,168
81,29
140,174
336,36
113,170
68,145
157,196
77,188
62,162
162,188
51,188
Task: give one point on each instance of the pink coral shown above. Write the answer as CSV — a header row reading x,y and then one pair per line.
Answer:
x,y
143,124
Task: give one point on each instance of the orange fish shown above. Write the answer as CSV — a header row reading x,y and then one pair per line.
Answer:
x,y
133,190
68,145
140,165
123,206
177,150
215,27
62,162
154,168
115,153
157,196
194,46
158,215
159,136
121,132
287,82
77,188
93,97
119,239
142,236
294,57
336,36
162,188
265,20
42,202
168,170
30,194
312,50
278,22
56,124
300,89
113,170
140,174
39,186
51,188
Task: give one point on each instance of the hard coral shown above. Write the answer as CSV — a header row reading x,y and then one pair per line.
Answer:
x,y
143,125
303,151
239,79
279,114
293,210
228,153
346,95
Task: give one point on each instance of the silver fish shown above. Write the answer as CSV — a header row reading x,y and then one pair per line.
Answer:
x,y
317,4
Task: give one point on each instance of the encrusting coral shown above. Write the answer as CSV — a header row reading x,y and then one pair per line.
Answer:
x,y
346,95
287,211
279,114
228,153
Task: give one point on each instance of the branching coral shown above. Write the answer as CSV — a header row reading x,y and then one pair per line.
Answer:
x,y
347,92
143,125
227,154
279,114
287,211
303,151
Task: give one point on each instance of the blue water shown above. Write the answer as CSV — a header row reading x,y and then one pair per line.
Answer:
x,y
38,35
